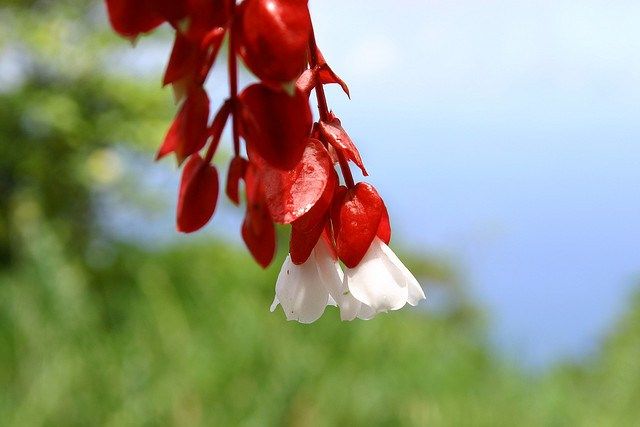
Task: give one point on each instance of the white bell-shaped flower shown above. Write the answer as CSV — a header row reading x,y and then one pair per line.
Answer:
x,y
380,282
305,290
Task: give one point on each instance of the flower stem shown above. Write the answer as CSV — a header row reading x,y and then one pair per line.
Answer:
x,y
233,79
323,109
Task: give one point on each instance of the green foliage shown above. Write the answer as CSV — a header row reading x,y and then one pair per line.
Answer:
x,y
183,336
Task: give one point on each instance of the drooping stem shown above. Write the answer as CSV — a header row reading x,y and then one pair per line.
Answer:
x,y
323,109
233,79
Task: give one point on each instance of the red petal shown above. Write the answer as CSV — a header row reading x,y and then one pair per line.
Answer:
x,y
290,195
258,231
188,132
131,18
303,240
198,194
273,36
357,220
275,124
306,231
384,229
237,169
333,133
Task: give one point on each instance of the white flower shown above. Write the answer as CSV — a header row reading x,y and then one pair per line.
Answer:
x,y
380,282
305,290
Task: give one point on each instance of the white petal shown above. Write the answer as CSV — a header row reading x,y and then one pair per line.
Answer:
x,y
300,291
274,304
416,293
366,313
332,302
376,281
332,277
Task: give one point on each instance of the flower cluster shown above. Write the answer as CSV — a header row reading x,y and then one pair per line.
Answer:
x,y
289,170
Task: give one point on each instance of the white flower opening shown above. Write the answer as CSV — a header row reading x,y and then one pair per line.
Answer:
x,y
379,283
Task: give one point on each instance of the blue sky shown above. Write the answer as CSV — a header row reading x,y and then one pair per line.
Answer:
x,y
506,134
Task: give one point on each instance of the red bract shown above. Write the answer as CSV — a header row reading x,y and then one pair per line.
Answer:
x,y
291,194
275,124
356,219
132,18
188,132
198,194
333,133
258,231
274,37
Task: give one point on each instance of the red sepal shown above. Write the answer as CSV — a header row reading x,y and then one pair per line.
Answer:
x,y
356,220
327,236
309,78
198,194
204,16
275,124
273,38
306,230
172,11
193,60
384,229
132,18
188,132
303,240
237,169
291,194
327,76
333,133
258,231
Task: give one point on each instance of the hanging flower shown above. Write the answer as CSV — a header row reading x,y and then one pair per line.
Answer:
x,y
380,282
305,290
288,163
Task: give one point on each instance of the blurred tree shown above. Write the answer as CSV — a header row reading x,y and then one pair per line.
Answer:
x,y
60,112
